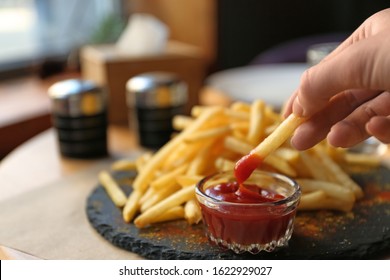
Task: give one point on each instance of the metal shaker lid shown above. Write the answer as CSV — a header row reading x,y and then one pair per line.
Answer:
x,y
156,90
77,97
317,52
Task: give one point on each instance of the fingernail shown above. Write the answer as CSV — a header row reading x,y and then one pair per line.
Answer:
x,y
297,107
292,142
296,144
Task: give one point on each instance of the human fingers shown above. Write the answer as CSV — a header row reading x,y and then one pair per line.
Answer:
x,y
379,127
352,130
361,65
370,27
373,25
318,126
287,108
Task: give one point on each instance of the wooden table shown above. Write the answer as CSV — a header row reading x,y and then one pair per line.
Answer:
x,y
38,162
33,175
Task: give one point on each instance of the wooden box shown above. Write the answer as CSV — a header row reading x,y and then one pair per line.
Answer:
x,y
105,65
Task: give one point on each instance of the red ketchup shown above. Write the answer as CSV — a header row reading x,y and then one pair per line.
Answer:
x,y
249,216
245,166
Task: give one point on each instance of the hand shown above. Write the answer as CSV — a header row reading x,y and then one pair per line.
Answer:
x,y
346,96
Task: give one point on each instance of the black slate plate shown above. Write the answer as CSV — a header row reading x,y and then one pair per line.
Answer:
x,y
361,234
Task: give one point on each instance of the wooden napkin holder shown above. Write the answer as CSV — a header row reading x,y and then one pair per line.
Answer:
x,y
108,67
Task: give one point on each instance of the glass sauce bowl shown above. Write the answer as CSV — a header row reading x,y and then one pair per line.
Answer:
x,y
253,217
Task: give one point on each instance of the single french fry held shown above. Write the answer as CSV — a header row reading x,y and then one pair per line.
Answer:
x,y
248,163
278,137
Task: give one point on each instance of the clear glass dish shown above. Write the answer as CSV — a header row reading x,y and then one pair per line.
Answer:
x,y
243,224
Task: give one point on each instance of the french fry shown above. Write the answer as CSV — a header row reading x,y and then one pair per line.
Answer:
x,y
240,135
243,148
213,139
132,205
362,159
313,166
145,176
188,180
236,111
272,116
183,154
159,195
147,195
176,199
240,106
280,165
168,177
257,122
124,165
288,154
249,162
198,110
339,175
212,95
278,136
142,160
312,200
240,126
337,154
318,200
301,169
201,161
237,146
112,188
223,164
207,134
237,115
175,213
180,122
192,212
335,204
271,128
332,190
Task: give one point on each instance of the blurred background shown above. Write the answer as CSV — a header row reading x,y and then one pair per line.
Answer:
x,y
41,42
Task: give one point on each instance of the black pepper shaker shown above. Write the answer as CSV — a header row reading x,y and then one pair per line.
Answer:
x,y
79,114
153,100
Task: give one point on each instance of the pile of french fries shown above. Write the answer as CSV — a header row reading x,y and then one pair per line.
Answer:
x,y
212,139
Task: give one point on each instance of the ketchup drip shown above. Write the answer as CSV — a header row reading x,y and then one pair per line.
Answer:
x,y
245,166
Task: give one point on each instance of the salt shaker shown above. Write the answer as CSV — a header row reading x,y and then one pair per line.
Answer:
x,y
79,114
318,52
153,99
